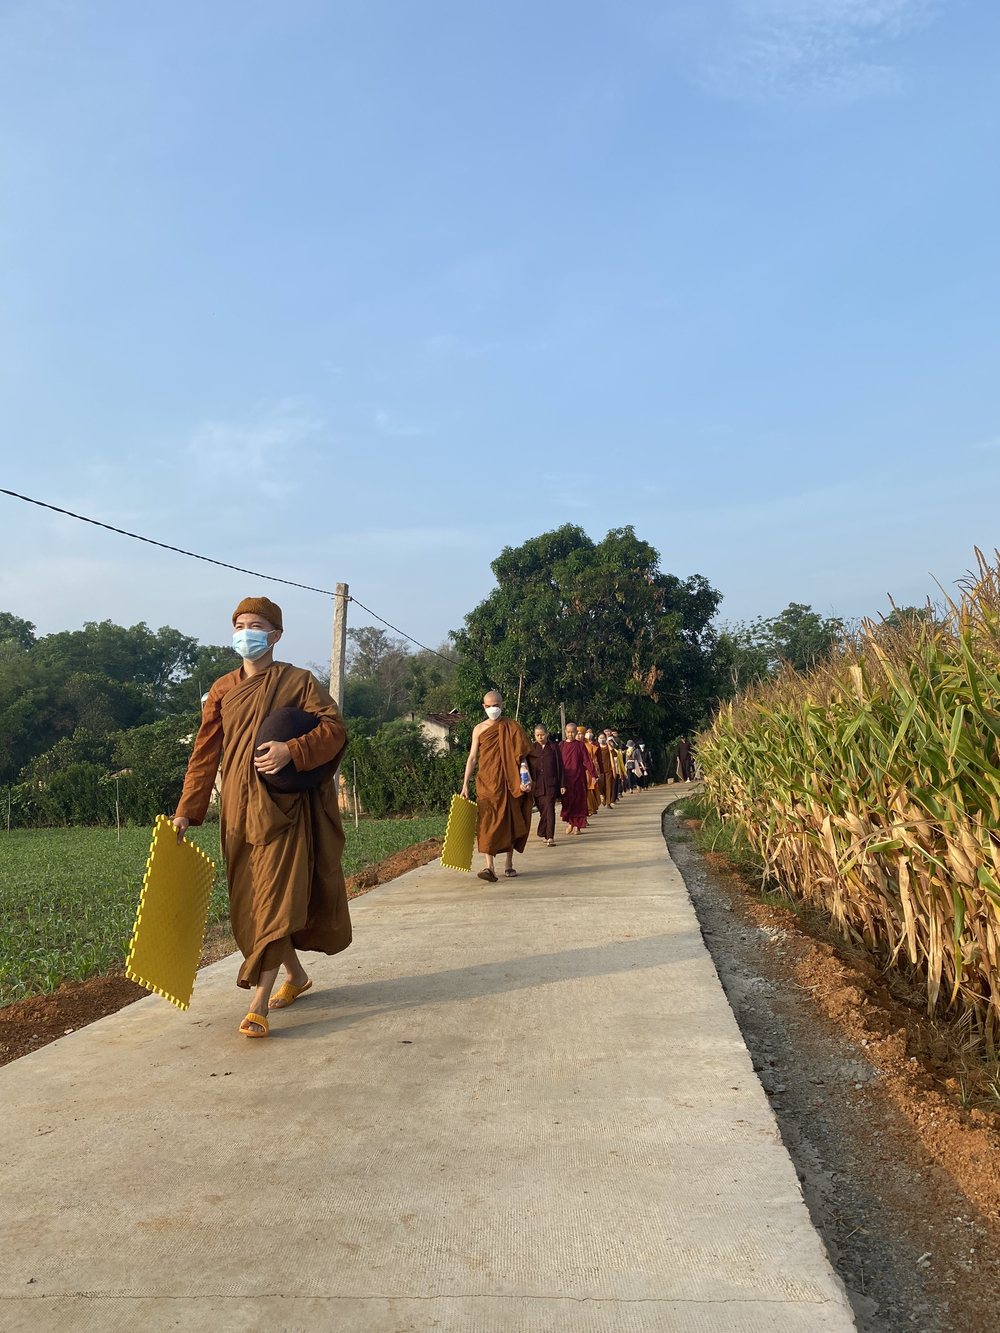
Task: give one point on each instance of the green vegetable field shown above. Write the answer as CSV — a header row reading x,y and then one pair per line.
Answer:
x,y
68,895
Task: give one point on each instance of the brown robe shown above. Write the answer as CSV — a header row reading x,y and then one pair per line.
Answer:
x,y
550,778
608,777
504,819
595,785
282,849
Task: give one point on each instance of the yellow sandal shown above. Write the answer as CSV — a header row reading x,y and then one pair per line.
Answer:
x,y
288,993
260,1020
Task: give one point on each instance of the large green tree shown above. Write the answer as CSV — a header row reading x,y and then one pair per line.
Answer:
x,y
596,626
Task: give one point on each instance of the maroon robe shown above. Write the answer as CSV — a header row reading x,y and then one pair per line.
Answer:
x,y
577,763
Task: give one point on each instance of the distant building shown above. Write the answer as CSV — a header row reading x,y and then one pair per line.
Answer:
x,y
437,727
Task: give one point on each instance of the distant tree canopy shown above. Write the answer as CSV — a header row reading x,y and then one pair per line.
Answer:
x,y
98,681
108,712
799,637
598,627
386,679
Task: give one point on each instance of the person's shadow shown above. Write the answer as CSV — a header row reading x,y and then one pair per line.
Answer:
x,y
335,1008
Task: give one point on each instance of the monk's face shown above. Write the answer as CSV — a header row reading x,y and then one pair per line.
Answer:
x,y
250,620
541,735
571,731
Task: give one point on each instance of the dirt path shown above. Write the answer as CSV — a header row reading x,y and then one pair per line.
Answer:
x,y
901,1180
29,1024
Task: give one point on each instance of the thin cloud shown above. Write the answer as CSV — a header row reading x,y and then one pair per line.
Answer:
x,y
816,50
385,424
254,452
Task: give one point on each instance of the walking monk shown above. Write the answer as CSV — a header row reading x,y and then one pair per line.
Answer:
x,y
282,847
578,772
550,783
595,783
608,775
503,785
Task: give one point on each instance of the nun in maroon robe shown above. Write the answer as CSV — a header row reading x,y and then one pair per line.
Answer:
x,y
577,765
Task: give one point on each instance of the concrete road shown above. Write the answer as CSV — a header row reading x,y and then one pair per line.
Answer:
x,y
523,1106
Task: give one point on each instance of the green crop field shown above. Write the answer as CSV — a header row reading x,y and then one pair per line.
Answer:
x,y
68,895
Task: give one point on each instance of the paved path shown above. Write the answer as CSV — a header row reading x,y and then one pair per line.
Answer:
x,y
524,1106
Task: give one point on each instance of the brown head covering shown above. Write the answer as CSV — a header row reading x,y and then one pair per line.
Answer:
x,y
260,606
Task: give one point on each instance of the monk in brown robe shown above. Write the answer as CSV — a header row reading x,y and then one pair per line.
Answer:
x,y
501,747
282,849
608,775
550,782
595,785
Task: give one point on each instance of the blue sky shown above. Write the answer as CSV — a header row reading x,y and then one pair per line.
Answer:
x,y
366,291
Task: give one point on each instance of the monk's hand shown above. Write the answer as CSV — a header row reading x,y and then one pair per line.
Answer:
x,y
271,757
465,791
181,825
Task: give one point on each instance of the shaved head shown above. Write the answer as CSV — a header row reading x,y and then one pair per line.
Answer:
x,y
492,697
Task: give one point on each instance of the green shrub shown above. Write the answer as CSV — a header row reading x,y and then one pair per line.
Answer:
x,y
399,773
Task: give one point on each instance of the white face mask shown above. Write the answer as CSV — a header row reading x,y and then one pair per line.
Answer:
x,y
493,712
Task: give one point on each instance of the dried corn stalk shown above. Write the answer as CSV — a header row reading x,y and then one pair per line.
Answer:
x,y
871,787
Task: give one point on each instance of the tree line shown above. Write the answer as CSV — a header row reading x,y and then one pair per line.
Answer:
x,y
107,712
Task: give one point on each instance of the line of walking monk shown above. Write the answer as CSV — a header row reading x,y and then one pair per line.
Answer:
x,y
583,771
279,737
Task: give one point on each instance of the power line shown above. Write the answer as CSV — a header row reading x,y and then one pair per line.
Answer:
x,y
401,631
179,550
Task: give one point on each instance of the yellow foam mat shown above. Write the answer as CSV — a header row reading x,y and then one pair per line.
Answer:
x,y
460,835
170,921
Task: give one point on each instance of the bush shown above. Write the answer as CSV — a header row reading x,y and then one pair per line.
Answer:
x,y
398,772
153,760
78,780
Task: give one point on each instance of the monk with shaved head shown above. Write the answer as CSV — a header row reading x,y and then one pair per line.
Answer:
x,y
504,785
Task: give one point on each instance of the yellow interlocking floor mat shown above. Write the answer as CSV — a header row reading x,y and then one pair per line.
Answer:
x,y
460,834
170,922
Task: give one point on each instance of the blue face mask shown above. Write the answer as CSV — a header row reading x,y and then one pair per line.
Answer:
x,y
251,643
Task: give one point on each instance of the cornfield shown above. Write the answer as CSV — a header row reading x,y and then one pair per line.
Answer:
x,y
871,788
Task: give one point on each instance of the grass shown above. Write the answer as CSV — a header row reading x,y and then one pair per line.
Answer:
x,y
724,837
68,896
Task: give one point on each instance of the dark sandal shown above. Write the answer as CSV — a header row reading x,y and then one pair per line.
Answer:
x,y
488,875
511,873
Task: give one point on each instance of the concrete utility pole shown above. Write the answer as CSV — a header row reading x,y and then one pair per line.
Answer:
x,y
562,720
338,655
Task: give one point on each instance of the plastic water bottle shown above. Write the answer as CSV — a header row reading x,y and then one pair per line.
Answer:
x,y
525,775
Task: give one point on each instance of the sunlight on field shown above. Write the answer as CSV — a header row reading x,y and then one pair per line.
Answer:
x,y
68,896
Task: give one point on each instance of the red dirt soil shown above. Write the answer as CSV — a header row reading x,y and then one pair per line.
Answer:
x,y
26,1025
910,1139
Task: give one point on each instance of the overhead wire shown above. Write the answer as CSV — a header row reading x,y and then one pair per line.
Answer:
x,y
224,564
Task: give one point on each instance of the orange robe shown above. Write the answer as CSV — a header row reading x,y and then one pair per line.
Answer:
x,y
595,786
283,850
504,819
